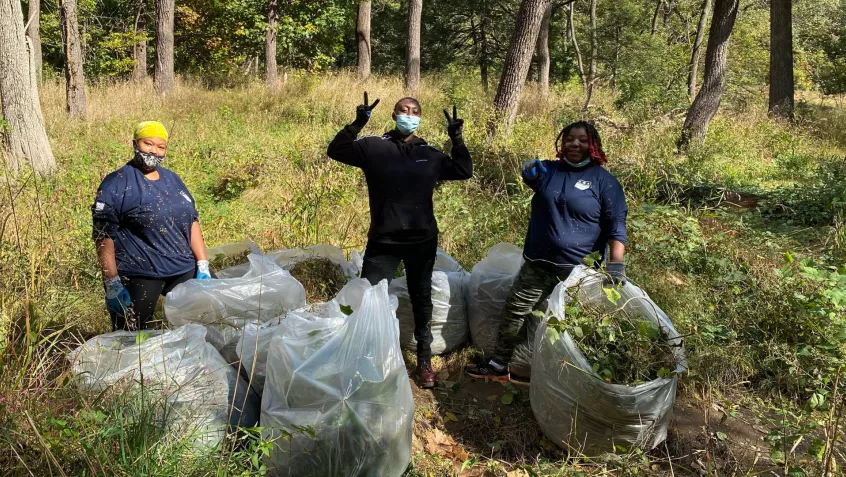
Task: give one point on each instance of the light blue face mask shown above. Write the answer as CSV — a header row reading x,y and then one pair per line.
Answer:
x,y
407,124
583,163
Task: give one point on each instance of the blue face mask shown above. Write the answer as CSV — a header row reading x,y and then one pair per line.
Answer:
x,y
407,124
580,164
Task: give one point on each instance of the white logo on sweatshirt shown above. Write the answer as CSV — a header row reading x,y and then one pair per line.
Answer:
x,y
99,206
183,194
583,185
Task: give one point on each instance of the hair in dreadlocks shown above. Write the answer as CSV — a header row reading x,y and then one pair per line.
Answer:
x,y
595,152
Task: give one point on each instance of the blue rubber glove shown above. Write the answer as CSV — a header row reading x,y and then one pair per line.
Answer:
x,y
531,169
203,270
117,298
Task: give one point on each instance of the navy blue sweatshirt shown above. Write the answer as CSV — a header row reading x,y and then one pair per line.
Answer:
x,y
149,221
401,178
575,211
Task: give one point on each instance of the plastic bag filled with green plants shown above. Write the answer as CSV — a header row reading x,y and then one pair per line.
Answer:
x,y
231,260
449,306
226,305
595,391
337,399
176,368
322,269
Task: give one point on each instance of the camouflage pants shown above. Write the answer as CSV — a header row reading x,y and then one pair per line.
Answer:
x,y
532,286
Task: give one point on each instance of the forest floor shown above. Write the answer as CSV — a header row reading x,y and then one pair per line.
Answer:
x,y
741,241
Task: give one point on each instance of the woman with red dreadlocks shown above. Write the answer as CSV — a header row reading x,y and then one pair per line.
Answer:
x,y
578,208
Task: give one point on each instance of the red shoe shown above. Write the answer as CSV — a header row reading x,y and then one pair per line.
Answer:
x,y
426,377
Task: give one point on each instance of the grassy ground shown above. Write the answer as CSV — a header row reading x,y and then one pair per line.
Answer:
x,y
739,240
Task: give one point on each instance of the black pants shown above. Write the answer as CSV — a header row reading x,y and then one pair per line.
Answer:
x,y
381,262
145,293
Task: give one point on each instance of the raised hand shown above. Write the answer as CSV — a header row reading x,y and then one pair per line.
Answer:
x,y
455,125
363,111
531,168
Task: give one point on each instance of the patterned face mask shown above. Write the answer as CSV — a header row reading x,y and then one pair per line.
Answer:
x,y
146,161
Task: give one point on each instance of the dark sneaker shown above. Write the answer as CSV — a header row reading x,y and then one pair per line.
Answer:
x,y
426,377
491,370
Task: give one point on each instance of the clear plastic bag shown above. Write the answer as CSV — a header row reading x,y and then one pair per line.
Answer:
x,y
178,366
338,388
574,407
230,250
288,258
265,292
490,284
449,325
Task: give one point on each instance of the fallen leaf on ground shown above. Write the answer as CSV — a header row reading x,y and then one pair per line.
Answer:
x,y
450,416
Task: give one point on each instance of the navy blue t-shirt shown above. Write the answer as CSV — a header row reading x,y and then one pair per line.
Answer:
x,y
575,211
149,221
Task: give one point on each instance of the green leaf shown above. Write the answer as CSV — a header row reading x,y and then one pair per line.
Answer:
x,y
815,401
612,295
788,257
795,472
577,330
507,398
777,456
347,310
451,417
722,436
141,337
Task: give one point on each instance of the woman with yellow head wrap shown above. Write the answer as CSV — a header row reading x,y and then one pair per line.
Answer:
x,y
147,231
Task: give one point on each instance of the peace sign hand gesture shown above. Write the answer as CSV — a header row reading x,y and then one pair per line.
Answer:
x,y
454,125
362,112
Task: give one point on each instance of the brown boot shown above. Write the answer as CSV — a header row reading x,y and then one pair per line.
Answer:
x,y
426,377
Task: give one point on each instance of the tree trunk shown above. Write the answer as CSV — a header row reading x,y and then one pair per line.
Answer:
x,y
542,50
270,68
655,16
362,38
139,70
164,78
593,52
693,72
33,32
483,43
571,27
412,65
74,78
25,140
517,61
708,99
781,59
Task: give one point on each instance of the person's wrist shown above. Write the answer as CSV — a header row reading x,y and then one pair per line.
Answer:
x,y
203,266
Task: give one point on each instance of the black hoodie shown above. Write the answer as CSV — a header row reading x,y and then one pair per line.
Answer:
x,y
401,178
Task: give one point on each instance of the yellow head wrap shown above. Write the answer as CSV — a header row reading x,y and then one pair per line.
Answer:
x,y
150,129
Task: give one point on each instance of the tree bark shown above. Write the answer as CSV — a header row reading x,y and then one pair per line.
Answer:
x,y
781,59
270,67
74,78
33,32
139,70
693,72
542,49
25,140
164,77
655,16
593,52
571,27
412,65
362,38
517,62
483,43
708,99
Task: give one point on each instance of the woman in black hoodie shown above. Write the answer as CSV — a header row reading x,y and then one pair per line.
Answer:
x,y
402,170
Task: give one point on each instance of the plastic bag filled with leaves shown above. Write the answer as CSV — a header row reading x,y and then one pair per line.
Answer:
x,y
231,260
490,284
178,367
225,306
449,325
575,405
254,343
338,392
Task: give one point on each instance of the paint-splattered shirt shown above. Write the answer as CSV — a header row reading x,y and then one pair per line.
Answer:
x,y
149,221
575,211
